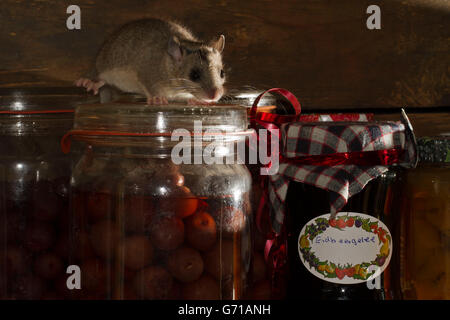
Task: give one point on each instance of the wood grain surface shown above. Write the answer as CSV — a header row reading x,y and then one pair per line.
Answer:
x,y
319,49
424,124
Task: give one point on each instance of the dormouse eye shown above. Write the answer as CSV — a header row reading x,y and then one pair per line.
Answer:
x,y
194,75
222,74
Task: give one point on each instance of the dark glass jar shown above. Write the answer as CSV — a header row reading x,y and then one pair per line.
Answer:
x,y
305,202
148,227
34,195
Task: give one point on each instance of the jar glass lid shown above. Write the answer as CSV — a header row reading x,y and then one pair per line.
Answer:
x,y
34,100
39,110
246,95
141,118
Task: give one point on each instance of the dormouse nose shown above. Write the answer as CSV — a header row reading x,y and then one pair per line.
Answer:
x,y
214,93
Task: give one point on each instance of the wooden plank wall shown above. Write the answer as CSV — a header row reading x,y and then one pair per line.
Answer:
x,y
319,49
424,124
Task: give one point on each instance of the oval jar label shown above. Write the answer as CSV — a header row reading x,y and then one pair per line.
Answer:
x,y
352,248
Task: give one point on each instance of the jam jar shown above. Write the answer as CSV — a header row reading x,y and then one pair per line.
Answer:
x,y
336,218
306,202
34,195
425,254
160,204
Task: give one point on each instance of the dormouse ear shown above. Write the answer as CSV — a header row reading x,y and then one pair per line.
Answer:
x,y
175,50
218,44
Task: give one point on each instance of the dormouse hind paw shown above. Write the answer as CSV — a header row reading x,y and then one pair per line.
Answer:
x,y
90,85
154,101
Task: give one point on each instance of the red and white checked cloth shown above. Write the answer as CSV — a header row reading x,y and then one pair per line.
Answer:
x,y
306,139
336,117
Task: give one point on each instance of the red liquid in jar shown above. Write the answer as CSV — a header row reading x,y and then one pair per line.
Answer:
x,y
151,250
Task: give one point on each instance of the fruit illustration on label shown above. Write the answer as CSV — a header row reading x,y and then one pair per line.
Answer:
x,y
352,248
350,272
340,273
380,260
385,248
363,273
357,267
374,228
350,222
322,267
381,234
333,222
341,223
329,269
304,243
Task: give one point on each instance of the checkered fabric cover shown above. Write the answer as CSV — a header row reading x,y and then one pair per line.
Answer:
x,y
320,138
336,117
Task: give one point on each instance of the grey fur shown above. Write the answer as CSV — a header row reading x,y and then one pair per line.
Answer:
x,y
142,57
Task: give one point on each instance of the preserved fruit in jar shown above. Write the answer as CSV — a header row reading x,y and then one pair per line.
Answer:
x,y
34,190
157,228
425,255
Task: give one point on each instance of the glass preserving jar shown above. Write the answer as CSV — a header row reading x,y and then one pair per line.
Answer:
x,y
148,225
259,284
34,197
306,202
425,255
335,218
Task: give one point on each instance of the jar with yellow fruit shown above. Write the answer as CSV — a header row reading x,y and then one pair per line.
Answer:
x,y
425,251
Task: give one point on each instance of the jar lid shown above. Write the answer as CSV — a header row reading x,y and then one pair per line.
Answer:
x,y
304,139
434,149
22,101
38,110
339,157
246,95
145,119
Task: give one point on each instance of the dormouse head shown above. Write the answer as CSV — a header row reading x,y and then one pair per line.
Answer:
x,y
200,64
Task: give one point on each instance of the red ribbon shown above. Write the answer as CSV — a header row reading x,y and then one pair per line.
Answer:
x,y
359,158
271,120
